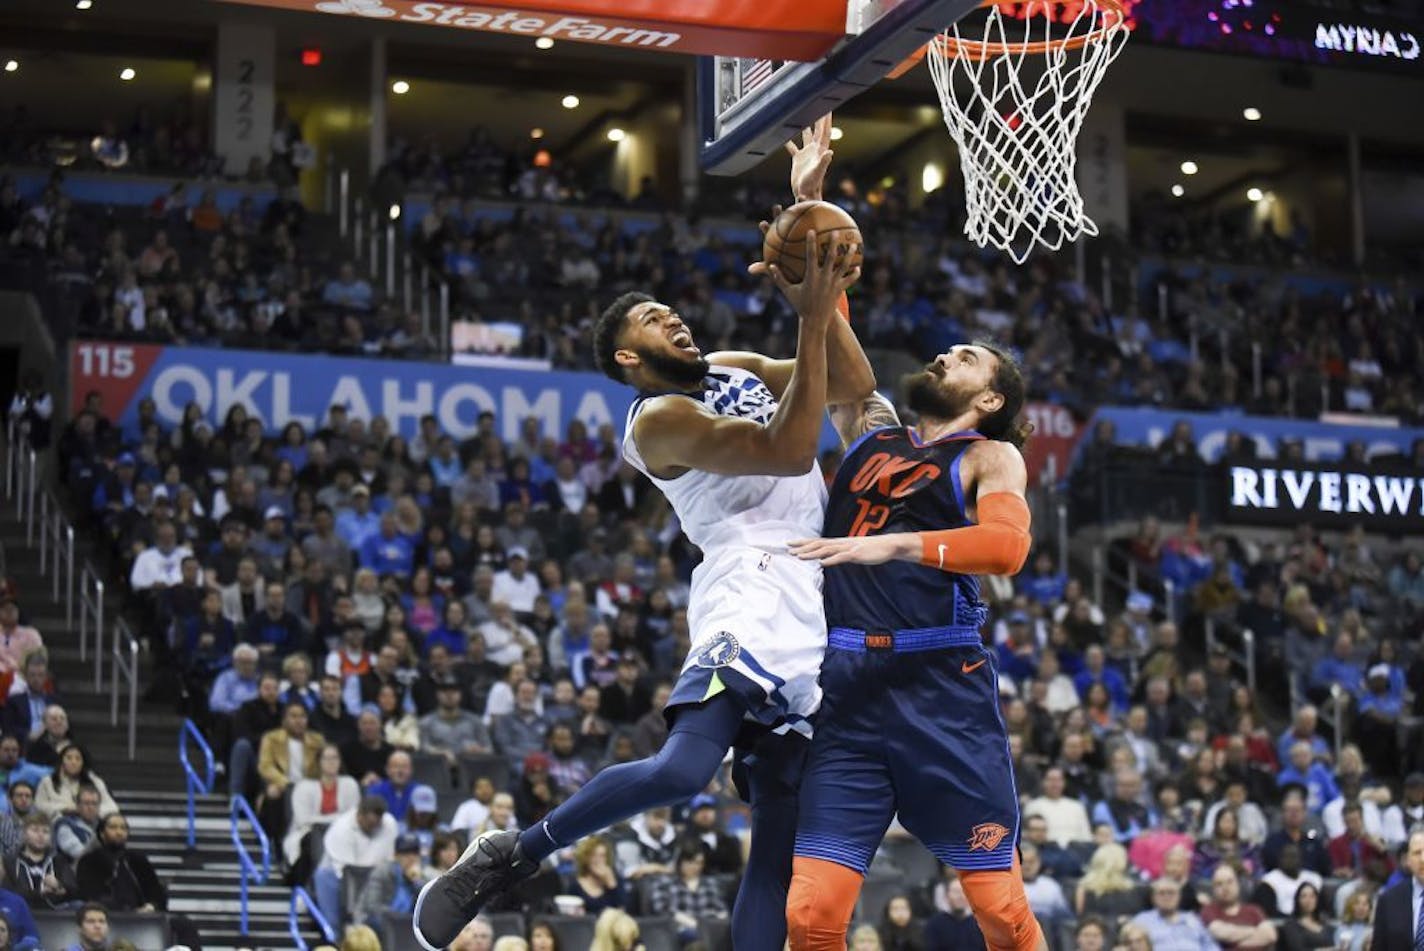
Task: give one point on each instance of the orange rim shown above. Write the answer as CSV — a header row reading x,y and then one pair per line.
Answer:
x,y
977,50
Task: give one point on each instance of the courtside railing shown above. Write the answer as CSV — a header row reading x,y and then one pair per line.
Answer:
x,y
303,901
199,784
253,871
125,667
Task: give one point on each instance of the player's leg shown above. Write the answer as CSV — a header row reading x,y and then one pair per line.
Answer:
x,y
770,775
495,861
846,803
956,786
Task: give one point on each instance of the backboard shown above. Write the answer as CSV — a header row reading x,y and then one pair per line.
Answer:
x,y
750,107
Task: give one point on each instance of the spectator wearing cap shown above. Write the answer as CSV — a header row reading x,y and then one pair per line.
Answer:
x,y
386,551
393,886
23,713
723,851
16,639
516,584
366,756
1377,722
275,631
160,566
365,837
450,730
1018,654
359,521
397,788
274,542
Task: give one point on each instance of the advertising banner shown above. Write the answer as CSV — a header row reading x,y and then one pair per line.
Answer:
x,y
1323,442
1386,499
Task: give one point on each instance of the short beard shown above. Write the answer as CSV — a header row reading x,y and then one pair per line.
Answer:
x,y
928,398
675,371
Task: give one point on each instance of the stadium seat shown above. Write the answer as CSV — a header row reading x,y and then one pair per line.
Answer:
x,y
147,932
397,933
716,933
56,928
876,893
506,923
484,764
353,879
643,895
912,858
432,770
659,934
572,931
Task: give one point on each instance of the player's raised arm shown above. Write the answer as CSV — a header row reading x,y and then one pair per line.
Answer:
x,y
853,420
997,544
851,377
677,434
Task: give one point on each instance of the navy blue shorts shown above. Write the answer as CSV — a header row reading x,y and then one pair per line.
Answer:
x,y
914,733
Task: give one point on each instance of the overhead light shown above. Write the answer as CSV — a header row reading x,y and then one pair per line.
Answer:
x,y
12,65
1252,114
570,102
544,43
127,73
616,134
931,177
1178,191
1254,194
536,133
836,133
400,87
83,4
395,211
1189,167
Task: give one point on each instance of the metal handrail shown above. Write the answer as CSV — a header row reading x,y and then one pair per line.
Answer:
x,y
328,933
32,464
91,614
124,642
56,550
251,871
198,784
1246,657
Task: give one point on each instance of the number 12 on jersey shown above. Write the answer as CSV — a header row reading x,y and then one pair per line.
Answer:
x,y
869,517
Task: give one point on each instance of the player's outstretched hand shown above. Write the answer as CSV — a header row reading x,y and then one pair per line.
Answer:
x,y
828,275
811,160
862,550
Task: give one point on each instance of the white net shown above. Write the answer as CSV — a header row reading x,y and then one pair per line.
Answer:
x,y
1014,100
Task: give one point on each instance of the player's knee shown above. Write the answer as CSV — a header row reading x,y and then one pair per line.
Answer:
x,y
681,772
819,904
1002,910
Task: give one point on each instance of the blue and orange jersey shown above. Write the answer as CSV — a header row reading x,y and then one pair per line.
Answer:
x,y
891,481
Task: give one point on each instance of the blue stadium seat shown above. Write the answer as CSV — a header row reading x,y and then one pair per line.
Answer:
x,y
659,934
716,933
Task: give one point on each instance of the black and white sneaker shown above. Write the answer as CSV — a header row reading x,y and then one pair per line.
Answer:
x,y
491,864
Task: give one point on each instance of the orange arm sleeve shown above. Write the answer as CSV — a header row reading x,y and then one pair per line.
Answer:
x,y
998,545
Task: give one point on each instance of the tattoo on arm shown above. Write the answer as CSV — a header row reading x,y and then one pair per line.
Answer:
x,y
853,420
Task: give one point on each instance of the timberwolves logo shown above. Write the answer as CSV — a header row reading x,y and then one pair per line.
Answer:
x,y
718,651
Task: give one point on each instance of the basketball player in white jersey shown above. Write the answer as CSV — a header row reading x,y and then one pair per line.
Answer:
x,y
731,440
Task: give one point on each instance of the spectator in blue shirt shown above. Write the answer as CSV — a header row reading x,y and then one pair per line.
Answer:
x,y
1340,668
1043,584
274,630
1018,655
397,789
388,552
1304,770
1096,670
236,685
1302,730
24,935
359,522
347,290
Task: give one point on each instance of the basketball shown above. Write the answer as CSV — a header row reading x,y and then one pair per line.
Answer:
x,y
785,242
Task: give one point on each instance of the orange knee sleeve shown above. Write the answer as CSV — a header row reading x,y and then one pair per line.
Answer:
x,y
1001,908
820,904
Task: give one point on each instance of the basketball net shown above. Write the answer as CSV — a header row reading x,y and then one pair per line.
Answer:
x,y
1014,101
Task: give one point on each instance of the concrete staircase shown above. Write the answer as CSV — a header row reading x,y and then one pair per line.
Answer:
x,y
150,788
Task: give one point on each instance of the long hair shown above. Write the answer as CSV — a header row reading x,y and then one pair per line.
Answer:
x,y
1107,871
615,930
1005,424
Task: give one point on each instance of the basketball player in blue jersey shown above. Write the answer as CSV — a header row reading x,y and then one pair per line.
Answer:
x,y
910,720
731,440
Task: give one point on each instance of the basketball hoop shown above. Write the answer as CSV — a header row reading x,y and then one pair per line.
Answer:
x,y
1014,101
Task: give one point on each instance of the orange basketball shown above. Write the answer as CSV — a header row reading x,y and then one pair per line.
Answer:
x,y
785,241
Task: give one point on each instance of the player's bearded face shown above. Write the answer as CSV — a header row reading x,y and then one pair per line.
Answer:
x,y
678,369
931,393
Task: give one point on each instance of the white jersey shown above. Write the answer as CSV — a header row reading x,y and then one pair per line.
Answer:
x,y
722,511
754,612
